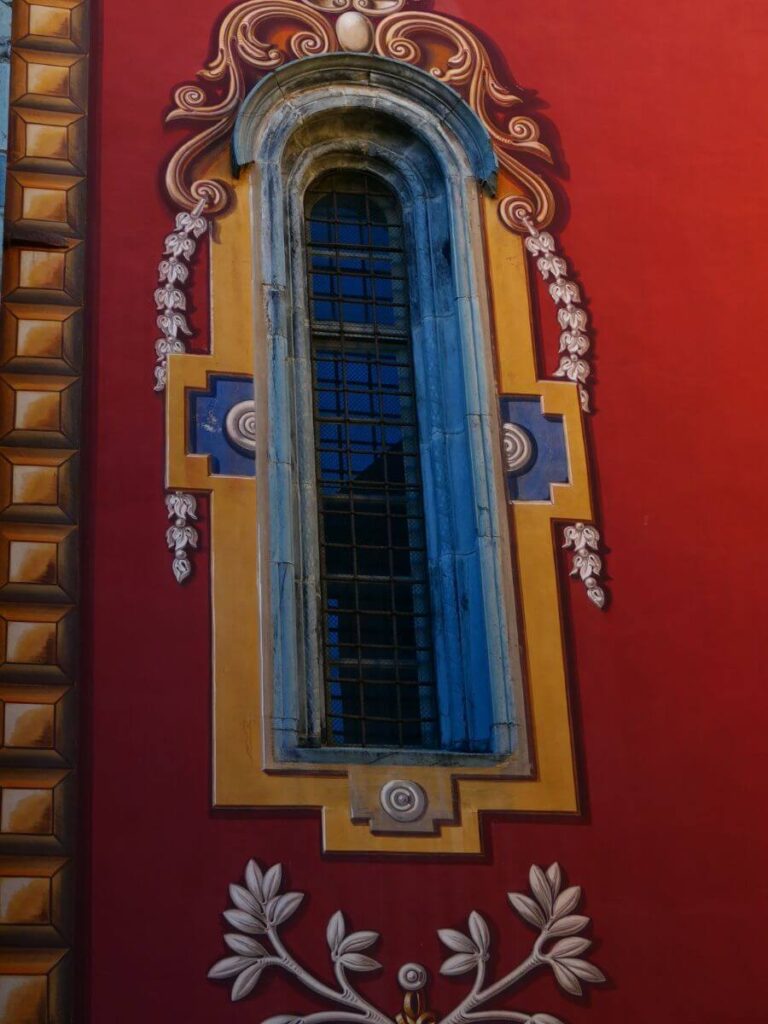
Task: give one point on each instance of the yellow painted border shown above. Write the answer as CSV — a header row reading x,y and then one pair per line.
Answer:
x,y
240,778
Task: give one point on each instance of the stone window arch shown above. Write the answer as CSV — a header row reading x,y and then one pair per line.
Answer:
x,y
370,114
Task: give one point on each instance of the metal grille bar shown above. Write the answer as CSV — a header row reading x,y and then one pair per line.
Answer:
x,y
378,664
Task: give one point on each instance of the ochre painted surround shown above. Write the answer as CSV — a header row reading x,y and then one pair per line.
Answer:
x,y
242,776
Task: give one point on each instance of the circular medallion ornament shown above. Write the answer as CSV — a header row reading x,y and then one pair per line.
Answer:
x,y
240,426
518,448
403,801
412,977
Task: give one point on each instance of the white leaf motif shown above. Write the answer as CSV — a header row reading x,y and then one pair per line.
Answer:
x,y
591,537
574,342
272,880
555,878
171,271
568,926
334,933
586,564
567,901
242,898
244,922
179,245
281,908
182,568
569,947
527,909
246,982
573,368
182,505
469,951
478,929
253,875
358,962
573,317
171,298
245,946
194,225
584,970
564,291
358,941
540,889
459,964
456,941
229,967
553,265
540,242
566,979
171,323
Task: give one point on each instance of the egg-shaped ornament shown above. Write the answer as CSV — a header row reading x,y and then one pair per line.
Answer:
x,y
354,32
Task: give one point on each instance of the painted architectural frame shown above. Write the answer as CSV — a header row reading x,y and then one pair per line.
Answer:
x,y
541,449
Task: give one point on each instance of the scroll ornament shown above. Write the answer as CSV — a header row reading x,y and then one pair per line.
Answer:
x,y
260,909
249,47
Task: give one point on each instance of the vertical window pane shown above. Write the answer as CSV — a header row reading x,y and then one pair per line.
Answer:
x,y
378,664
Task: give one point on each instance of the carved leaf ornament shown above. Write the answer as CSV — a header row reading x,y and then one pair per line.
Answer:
x,y
249,46
259,909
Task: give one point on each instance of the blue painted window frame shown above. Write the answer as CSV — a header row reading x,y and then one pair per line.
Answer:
x,y
418,136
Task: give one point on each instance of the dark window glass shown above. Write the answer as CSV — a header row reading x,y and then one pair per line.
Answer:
x,y
377,631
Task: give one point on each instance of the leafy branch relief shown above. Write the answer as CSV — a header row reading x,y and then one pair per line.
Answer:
x,y
260,909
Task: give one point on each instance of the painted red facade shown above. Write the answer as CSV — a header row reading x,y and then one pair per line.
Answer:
x,y
654,112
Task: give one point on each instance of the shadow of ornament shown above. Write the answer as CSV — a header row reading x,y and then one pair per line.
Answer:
x,y
260,908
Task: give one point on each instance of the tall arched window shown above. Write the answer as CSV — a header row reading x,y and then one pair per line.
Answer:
x,y
389,627
377,643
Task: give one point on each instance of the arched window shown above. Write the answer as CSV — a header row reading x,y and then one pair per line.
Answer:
x,y
393,622
375,605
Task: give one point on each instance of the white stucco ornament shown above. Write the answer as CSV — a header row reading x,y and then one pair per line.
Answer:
x,y
240,426
260,909
354,32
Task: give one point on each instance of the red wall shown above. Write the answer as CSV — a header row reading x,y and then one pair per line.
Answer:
x,y
657,114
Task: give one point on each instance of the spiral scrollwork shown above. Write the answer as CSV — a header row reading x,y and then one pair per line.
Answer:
x,y
403,800
241,46
246,43
240,426
410,38
518,448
